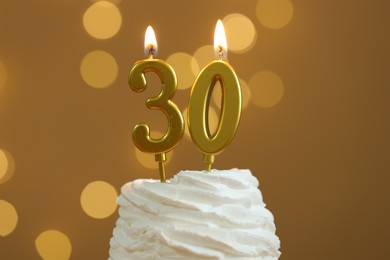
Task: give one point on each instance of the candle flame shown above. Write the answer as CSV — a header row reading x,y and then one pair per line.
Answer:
x,y
220,43
150,43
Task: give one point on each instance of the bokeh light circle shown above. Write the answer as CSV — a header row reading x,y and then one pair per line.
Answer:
x,y
8,218
202,56
7,166
185,117
267,89
147,159
240,33
182,64
53,245
99,69
213,120
98,199
102,20
115,2
274,14
245,91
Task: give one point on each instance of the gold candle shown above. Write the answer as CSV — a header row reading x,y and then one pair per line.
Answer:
x,y
219,70
163,102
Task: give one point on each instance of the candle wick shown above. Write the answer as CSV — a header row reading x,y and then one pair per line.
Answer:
x,y
220,52
151,51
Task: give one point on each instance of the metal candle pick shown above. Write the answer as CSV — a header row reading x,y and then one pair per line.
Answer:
x,y
137,82
198,107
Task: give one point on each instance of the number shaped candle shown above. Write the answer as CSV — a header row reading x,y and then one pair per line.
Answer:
x,y
137,82
198,106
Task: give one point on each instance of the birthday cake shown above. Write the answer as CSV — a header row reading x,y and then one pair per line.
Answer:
x,y
195,215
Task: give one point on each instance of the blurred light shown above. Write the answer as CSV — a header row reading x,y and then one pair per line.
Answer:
x,y
99,69
216,95
115,2
185,117
3,75
213,120
53,245
245,91
266,89
274,14
150,43
181,63
240,32
220,44
102,20
147,159
7,166
202,56
98,199
8,218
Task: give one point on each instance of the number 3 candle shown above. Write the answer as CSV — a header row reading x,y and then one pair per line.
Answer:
x,y
137,82
198,107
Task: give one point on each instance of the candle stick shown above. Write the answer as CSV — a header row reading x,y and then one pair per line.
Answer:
x,y
137,82
216,71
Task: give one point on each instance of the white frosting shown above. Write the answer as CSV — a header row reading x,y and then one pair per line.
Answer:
x,y
195,215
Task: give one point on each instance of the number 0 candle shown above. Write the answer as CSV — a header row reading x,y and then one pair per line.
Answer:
x,y
137,82
198,108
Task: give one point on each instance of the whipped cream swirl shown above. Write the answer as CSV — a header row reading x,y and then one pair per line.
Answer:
x,y
196,215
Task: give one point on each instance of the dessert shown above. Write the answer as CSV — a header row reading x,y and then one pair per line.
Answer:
x,y
196,215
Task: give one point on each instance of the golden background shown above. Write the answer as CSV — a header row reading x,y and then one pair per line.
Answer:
x,y
315,130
